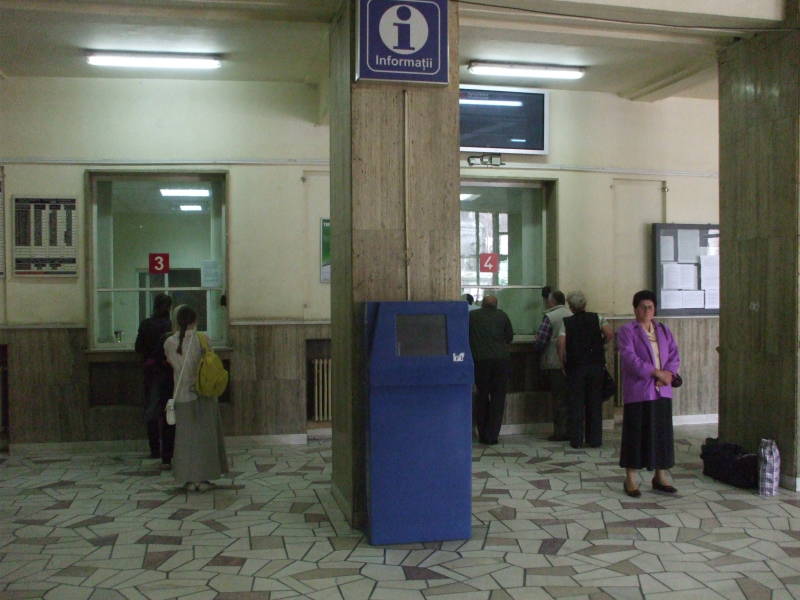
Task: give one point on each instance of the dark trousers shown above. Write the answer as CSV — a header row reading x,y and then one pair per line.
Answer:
x,y
491,379
160,436
560,395
585,383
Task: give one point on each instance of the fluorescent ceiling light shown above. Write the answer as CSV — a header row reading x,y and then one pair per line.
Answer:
x,y
191,207
518,140
523,70
153,61
465,197
185,193
489,102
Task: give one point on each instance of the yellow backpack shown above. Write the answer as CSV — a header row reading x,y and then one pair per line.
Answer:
x,y
212,378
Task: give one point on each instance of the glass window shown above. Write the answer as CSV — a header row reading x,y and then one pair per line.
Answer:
x,y
507,220
132,219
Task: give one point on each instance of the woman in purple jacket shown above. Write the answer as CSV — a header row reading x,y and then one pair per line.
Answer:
x,y
649,359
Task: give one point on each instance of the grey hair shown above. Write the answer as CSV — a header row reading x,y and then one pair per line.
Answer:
x,y
576,301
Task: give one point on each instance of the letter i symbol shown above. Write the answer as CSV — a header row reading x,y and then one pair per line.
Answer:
x,y
403,29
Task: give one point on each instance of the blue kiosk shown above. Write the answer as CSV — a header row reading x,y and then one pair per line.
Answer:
x,y
419,423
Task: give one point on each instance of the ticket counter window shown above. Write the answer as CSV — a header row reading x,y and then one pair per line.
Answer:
x,y
503,245
133,219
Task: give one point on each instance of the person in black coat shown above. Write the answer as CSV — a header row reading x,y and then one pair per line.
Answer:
x,y
490,333
157,378
580,347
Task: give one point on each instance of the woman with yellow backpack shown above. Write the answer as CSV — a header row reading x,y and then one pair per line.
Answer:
x,y
199,379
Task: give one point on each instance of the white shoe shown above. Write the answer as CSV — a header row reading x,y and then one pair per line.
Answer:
x,y
204,486
191,486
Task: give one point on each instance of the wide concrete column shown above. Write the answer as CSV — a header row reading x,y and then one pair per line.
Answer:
x,y
759,107
394,222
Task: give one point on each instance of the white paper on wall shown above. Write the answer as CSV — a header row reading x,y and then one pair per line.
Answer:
x,y
688,277
671,276
709,272
210,274
693,299
712,298
688,245
678,276
671,299
667,248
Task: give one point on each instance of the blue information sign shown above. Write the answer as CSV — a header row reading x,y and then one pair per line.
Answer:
x,y
403,40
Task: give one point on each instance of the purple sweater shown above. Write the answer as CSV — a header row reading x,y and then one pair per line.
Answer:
x,y
636,357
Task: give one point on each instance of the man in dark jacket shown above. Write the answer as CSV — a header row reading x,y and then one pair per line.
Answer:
x,y
157,378
490,333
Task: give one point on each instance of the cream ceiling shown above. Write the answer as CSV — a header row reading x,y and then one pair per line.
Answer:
x,y
644,54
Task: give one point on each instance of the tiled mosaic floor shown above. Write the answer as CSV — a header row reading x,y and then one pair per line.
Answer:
x,y
549,522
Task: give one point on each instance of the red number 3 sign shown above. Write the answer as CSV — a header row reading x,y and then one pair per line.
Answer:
x,y
490,262
158,263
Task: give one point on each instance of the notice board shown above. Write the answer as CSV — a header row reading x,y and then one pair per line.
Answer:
x,y
686,268
45,237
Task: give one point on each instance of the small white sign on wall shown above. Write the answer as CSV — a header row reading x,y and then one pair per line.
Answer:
x,y
210,274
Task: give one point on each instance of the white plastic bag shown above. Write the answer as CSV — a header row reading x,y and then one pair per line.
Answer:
x,y
769,468
169,411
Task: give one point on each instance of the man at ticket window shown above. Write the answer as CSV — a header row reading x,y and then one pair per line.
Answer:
x,y
157,378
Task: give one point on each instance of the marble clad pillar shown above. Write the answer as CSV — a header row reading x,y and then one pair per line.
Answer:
x,y
394,221
759,105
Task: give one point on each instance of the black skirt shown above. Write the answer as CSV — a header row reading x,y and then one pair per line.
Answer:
x,y
647,440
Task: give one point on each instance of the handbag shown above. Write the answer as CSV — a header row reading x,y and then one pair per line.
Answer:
x,y
677,380
609,387
769,468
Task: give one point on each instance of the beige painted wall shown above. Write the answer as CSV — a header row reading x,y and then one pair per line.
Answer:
x,y
91,121
596,138
274,213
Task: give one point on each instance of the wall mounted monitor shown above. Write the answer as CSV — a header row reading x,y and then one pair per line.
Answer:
x,y
503,119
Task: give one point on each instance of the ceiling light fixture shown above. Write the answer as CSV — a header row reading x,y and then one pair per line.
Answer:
x,y
489,102
191,207
143,60
524,70
184,193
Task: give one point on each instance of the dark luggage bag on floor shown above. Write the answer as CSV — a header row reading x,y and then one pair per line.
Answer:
x,y
729,463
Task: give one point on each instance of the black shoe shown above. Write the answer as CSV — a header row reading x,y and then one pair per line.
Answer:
x,y
660,487
557,438
576,445
632,493
595,445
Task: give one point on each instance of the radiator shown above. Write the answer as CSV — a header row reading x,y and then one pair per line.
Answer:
x,y
322,389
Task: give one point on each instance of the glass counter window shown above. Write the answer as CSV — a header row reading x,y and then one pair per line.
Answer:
x,y
132,218
507,219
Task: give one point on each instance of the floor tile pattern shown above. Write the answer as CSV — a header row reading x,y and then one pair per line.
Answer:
x,y
549,522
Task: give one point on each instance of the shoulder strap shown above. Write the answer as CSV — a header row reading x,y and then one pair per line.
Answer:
x,y
183,368
203,341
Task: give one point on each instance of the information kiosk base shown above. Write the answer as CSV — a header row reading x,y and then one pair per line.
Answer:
x,y
419,425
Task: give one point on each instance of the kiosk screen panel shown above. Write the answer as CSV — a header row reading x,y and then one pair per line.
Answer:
x,y
421,335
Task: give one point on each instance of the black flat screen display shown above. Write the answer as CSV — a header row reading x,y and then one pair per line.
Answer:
x,y
498,120
421,335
